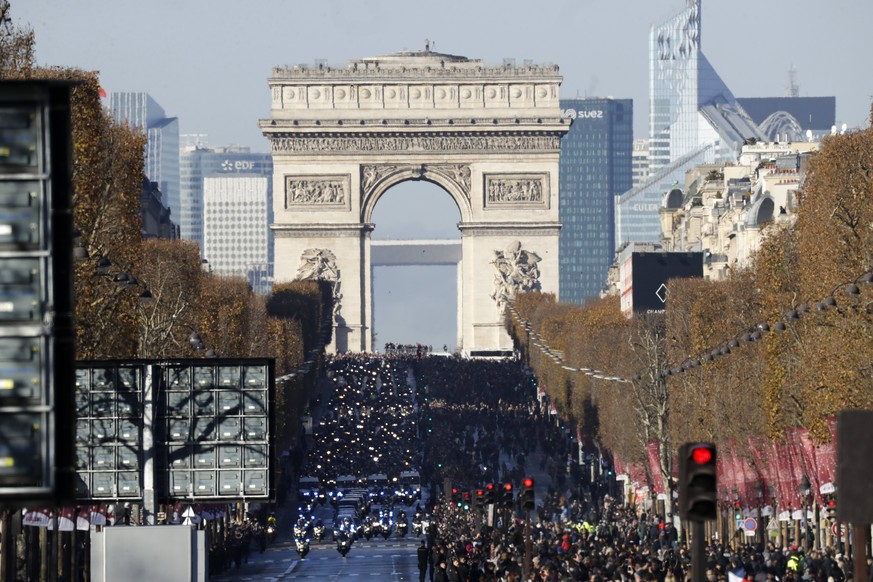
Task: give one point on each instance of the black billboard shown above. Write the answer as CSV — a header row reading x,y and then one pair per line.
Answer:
x,y
198,429
651,271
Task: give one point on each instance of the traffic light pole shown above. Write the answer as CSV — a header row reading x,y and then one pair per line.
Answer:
x,y
528,546
698,557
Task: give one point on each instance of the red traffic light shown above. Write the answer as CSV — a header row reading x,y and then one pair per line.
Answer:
x,y
507,487
480,492
701,455
528,482
454,490
490,486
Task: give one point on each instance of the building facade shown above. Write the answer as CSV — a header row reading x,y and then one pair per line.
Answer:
x,y
237,211
138,109
724,211
155,216
199,161
693,119
595,167
640,162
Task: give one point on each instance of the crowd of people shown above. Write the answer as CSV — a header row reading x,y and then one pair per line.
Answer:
x,y
470,422
488,426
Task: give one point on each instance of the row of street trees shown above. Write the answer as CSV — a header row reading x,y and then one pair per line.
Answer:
x,y
698,371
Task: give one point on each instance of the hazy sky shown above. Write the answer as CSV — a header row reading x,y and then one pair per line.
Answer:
x,y
207,61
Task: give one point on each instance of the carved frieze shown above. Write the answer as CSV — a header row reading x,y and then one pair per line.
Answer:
x,y
516,190
372,174
317,192
517,271
415,143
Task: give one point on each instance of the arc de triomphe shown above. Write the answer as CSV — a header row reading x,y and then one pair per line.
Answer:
x,y
489,136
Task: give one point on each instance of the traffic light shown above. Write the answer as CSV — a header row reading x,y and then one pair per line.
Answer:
x,y
506,500
467,501
698,498
37,357
490,493
831,510
480,498
738,511
453,496
527,495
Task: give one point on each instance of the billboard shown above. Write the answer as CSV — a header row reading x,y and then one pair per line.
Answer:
x,y
644,276
197,429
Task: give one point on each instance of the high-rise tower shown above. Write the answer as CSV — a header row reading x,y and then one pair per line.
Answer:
x,y
595,166
693,119
138,109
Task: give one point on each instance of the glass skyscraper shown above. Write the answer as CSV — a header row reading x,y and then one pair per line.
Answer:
x,y
162,148
595,167
693,119
237,212
199,161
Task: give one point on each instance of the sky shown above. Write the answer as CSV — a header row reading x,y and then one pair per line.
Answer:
x,y
207,62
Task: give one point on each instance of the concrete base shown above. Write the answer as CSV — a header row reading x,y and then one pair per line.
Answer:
x,y
171,553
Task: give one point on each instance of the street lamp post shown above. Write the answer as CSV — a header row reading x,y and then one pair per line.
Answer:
x,y
804,488
780,540
759,497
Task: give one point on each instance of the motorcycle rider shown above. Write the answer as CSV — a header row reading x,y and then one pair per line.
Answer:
x,y
271,527
300,528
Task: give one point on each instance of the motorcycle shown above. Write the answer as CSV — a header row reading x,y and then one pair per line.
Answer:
x,y
401,526
302,547
417,529
318,530
271,533
386,528
343,544
367,530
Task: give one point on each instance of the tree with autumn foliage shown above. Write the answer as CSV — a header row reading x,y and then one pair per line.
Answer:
x,y
783,344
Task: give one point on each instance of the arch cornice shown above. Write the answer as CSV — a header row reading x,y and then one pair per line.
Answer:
x,y
378,178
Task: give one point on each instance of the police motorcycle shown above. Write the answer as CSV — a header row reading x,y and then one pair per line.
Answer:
x,y
366,529
302,545
344,537
386,524
301,529
401,525
343,543
417,528
318,530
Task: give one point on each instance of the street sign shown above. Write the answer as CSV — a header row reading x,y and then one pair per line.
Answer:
x,y
839,529
750,525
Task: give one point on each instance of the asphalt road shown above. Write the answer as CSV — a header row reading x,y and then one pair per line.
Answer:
x,y
391,560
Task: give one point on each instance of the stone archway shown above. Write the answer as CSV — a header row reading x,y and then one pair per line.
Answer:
x,y
490,137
